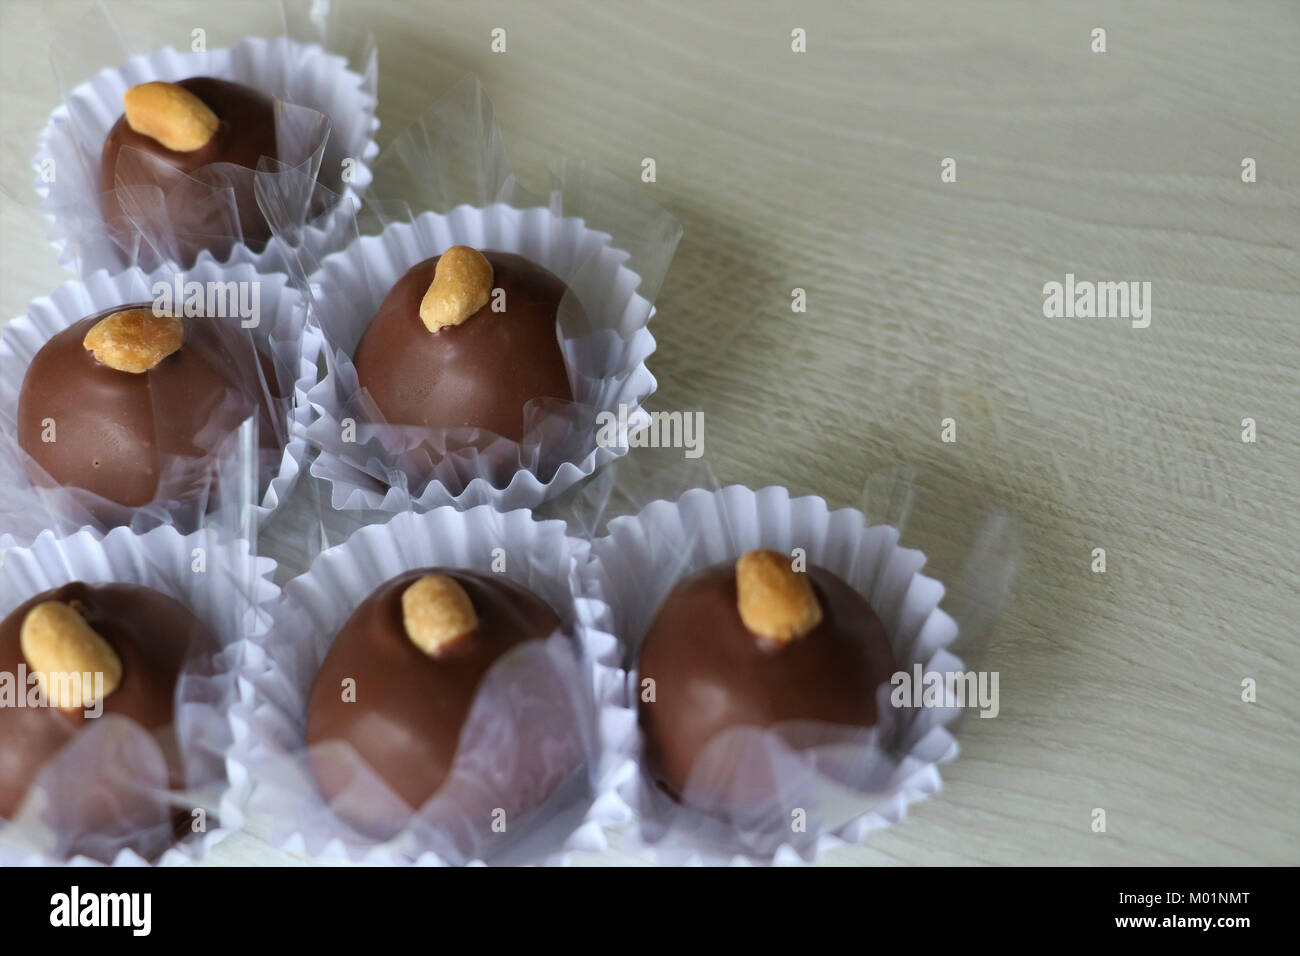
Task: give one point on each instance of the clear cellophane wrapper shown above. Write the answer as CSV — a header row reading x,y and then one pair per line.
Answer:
x,y
753,784
443,182
528,746
323,79
248,449
105,795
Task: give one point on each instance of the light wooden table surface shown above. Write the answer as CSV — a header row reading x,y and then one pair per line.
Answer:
x,y
821,170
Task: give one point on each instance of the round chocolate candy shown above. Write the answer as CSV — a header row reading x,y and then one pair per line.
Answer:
x,y
755,644
414,654
438,355
133,642
189,125
129,406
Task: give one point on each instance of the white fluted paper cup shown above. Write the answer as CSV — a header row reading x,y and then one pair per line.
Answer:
x,y
228,589
631,571
535,699
282,330
303,74
386,467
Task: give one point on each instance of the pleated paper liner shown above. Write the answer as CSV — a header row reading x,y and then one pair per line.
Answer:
x,y
228,589
281,333
326,127
846,782
534,704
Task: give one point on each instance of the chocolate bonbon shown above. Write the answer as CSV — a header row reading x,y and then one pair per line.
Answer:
x,y
399,681
755,643
130,406
191,128
95,650
439,354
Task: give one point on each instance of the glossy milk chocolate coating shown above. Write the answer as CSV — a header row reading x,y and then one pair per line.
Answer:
x,y
246,134
410,708
480,373
153,635
113,430
711,673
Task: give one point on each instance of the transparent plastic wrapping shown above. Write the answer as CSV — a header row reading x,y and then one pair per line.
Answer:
x,y
794,789
323,80
222,428
520,782
113,790
445,181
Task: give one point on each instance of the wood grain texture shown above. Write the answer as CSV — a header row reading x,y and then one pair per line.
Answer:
x,y
821,171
